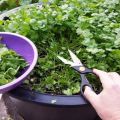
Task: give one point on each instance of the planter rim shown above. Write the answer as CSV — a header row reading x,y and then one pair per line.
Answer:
x,y
48,99
12,11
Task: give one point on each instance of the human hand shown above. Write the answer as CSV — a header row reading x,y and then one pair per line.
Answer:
x,y
106,103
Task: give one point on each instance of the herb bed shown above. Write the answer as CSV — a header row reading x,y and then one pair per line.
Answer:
x,y
89,28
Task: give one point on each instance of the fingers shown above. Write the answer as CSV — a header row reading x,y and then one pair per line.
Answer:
x,y
0,96
115,77
90,95
104,78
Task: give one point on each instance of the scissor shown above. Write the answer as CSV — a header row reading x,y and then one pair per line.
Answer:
x,y
79,67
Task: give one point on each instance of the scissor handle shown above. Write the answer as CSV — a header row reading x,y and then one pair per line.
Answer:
x,y
84,82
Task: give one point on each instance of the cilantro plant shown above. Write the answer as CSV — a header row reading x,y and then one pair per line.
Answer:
x,y
90,28
10,65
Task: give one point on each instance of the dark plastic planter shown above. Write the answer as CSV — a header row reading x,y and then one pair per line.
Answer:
x,y
35,106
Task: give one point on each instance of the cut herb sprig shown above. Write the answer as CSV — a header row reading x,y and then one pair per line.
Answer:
x,y
10,64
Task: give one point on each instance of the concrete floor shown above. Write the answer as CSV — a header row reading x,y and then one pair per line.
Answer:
x,y
3,111
5,103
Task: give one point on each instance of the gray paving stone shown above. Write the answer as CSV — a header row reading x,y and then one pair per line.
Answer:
x,y
3,111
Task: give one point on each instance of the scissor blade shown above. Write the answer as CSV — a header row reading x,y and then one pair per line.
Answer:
x,y
75,59
65,61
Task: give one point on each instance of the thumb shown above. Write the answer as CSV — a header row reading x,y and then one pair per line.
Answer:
x,y
90,95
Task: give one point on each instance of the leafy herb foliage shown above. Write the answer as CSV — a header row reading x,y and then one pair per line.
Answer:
x,y
90,28
9,4
10,65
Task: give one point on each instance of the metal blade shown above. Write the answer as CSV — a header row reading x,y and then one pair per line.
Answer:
x,y
65,60
75,59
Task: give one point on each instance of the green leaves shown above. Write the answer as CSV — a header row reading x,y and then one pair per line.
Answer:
x,y
115,54
10,65
24,2
73,89
9,4
90,28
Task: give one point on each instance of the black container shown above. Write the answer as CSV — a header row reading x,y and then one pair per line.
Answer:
x,y
35,106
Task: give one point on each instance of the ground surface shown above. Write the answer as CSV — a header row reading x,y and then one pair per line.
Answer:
x,y
3,111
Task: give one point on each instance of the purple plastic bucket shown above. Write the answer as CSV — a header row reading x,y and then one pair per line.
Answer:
x,y
24,47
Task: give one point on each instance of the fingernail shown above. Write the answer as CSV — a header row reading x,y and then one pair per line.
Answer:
x,y
94,70
87,88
